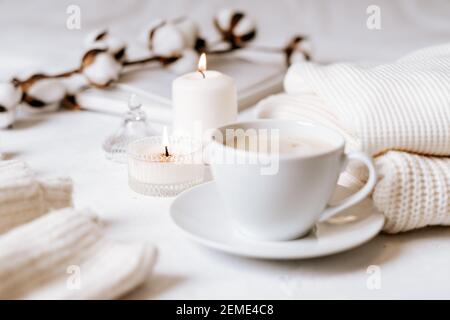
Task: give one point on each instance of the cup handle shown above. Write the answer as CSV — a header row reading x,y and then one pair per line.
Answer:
x,y
330,211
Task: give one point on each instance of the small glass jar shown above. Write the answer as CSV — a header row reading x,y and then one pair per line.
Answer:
x,y
134,126
153,171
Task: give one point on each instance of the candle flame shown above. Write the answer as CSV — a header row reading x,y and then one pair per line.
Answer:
x,y
202,63
165,137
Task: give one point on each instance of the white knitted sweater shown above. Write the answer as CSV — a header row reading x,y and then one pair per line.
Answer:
x,y
413,191
62,254
24,198
402,106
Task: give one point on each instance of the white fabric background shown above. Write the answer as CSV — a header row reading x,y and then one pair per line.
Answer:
x,y
413,265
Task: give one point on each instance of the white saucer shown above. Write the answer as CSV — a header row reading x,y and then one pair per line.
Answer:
x,y
200,215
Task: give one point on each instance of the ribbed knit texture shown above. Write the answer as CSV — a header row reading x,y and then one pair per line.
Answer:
x,y
308,107
403,106
62,254
413,191
36,260
24,198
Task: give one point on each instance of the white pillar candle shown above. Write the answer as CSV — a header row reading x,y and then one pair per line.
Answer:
x,y
203,100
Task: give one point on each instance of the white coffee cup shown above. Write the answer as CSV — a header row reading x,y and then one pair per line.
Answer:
x,y
288,202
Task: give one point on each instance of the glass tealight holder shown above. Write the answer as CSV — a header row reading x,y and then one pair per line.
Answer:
x,y
154,170
134,126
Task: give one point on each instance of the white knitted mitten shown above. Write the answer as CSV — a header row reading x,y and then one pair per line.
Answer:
x,y
413,191
64,255
23,198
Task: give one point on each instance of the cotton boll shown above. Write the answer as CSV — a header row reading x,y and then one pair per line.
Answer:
x,y
167,41
47,90
95,36
145,35
306,45
223,18
298,50
302,51
189,29
75,83
43,95
235,27
117,47
297,56
101,39
100,68
7,118
10,95
244,27
186,63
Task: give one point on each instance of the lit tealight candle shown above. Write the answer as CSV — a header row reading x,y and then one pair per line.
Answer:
x,y
203,100
164,166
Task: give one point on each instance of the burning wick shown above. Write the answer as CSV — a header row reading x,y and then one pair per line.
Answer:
x,y
202,64
167,151
165,142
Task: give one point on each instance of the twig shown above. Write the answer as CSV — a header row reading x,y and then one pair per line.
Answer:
x,y
65,74
161,59
140,61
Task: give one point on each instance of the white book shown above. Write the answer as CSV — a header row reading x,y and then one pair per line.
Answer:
x,y
153,84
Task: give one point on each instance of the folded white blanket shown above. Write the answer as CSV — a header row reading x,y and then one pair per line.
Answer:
x,y
63,254
404,105
400,106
